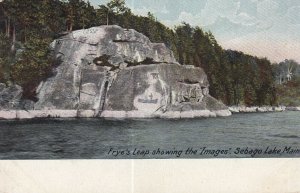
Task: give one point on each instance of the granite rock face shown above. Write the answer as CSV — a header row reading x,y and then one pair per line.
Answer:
x,y
10,96
109,71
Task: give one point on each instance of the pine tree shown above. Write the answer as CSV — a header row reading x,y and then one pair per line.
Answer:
x,y
112,10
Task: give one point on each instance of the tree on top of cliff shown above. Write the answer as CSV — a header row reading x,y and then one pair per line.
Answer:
x,y
115,8
235,78
77,14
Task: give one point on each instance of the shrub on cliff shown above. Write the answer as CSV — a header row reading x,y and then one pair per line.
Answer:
x,y
5,57
33,66
289,93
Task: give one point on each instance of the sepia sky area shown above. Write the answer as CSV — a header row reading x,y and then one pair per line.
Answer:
x,y
268,28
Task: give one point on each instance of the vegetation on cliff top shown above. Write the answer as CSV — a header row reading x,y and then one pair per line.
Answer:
x,y
27,27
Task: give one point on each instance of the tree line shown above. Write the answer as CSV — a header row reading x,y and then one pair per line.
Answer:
x,y
27,28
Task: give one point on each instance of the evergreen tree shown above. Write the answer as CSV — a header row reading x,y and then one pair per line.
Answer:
x,y
33,66
235,78
5,57
112,10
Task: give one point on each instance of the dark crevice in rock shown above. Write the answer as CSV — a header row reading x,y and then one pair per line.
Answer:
x,y
149,61
187,81
80,91
170,96
103,61
126,41
113,68
59,41
146,61
103,97
130,64
186,99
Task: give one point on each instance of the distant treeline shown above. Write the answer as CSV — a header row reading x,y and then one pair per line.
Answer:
x,y
27,28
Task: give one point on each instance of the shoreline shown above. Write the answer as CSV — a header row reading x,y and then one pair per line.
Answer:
x,y
257,109
265,109
31,114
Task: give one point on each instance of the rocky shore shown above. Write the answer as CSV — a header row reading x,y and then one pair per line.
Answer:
x,y
108,71
243,109
29,114
22,114
111,72
293,108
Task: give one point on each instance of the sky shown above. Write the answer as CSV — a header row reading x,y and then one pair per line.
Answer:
x,y
265,28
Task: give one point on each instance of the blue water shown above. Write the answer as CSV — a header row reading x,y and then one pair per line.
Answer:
x,y
238,136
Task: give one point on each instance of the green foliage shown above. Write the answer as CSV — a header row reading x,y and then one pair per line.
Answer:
x,y
5,57
33,66
3,76
79,15
117,6
289,93
112,11
234,77
285,68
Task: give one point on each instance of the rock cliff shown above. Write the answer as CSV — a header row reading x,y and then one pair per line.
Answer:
x,y
109,71
10,96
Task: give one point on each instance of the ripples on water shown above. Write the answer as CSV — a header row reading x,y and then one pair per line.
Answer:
x,y
92,138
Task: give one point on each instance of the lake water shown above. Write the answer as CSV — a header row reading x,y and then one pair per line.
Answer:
x,y
241,135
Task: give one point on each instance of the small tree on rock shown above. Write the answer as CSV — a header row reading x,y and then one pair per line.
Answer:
x,y
114,7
